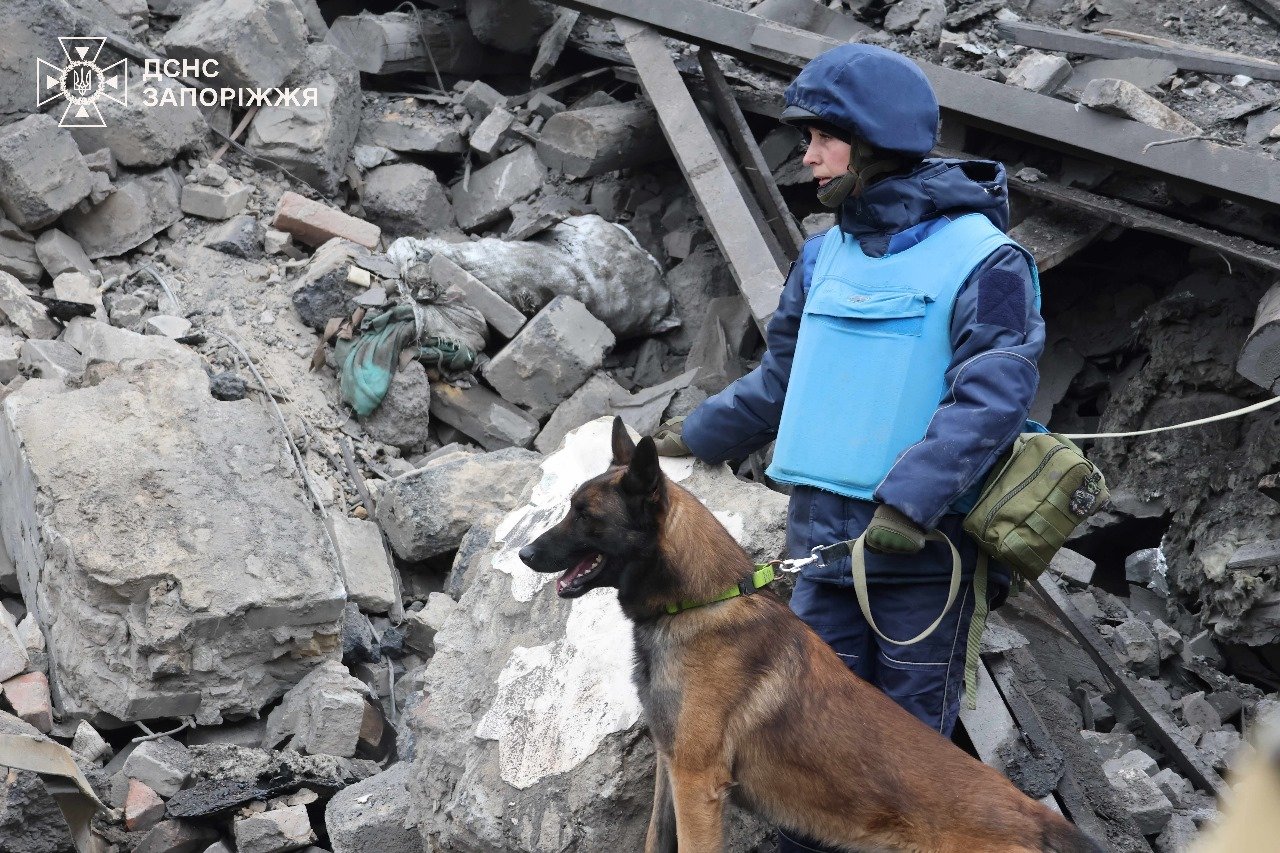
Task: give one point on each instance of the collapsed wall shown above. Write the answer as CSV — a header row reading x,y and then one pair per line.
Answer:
x,y
162,541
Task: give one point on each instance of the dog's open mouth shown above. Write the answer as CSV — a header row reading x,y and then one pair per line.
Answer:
x,y
574,582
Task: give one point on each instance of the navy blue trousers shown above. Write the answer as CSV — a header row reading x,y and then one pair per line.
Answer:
x,y
926,679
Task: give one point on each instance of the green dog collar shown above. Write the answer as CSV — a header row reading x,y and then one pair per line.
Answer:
x,y
761,577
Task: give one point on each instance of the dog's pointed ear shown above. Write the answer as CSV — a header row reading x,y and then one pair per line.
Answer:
x,y
623,447
644,476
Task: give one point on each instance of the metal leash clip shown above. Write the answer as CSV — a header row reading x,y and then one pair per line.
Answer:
x,y
794,564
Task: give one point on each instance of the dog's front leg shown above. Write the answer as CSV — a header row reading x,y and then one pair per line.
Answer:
x,y
662,820
699,804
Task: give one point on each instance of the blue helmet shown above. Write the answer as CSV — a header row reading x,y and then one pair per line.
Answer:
x,y
871,92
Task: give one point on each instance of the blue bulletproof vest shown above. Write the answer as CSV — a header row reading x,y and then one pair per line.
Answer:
x,y
872,354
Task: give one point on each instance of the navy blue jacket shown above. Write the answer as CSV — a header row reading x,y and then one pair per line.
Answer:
x,y
997,336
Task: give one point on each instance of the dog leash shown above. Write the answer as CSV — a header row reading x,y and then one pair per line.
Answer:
x,y
1235,413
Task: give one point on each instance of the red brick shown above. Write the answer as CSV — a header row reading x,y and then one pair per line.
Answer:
x,y
313,223
28,695
143,807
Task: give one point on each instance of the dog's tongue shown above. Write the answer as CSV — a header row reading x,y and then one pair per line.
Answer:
x,y
568,577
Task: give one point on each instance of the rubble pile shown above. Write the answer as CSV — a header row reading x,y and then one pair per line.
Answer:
x,y
285,387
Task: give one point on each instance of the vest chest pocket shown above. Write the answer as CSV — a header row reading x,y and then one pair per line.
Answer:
x,y
871,313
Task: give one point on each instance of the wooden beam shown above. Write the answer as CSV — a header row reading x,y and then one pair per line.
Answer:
x,y
1052,235
1157,722
985,104
777,214
1185,56
694,147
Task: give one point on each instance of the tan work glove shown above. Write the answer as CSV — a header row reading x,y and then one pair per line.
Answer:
x,y
668,441
891,532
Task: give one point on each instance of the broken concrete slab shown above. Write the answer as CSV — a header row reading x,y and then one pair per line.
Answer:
x,y
42,174
551,44
255,43
90,745
59,253
13,652
162,764
320,715
374,815
406,200
482,416
488,138
1141,71
314,223
367,572
493,189
18,255
512,644
1122,98
141,136
1136,645
550,358
1075,567
584,143
425,513
405,126
1140,797
274,831
422,624
601,395
922,16
140,208
240,237
177,836
322,290
1040,72
9,350
56,360
1259,360
313,140
30,820
17,306
149,617
598,263
99,342
421,42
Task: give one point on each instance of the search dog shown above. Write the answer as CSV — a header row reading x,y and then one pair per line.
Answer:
x,y
744,701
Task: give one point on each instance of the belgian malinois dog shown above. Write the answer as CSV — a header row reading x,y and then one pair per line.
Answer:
x,y
745,701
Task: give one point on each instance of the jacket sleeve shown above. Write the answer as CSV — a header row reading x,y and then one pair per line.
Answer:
x,y
744,416
997,336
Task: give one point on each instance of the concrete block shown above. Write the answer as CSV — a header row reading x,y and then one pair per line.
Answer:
x,y
1218,748
56,360
321,714
490,134
479,99
240,237
126,310
9,349
496,187
498,312
1178,789
1178,836
544,105
143,807
314,223
162,764
233,611
167,325
313,141
59,253
90,745
1109,745
482,416
1141,566
222,202
1169,640
425,513
1265,718
1139,795
18,255
140,208
277,242
42,174
275,831
402,419
366,567
1040,72
256,43
1122,98
374,815
1075,567
422,624
322,290
582,143
82,288
551,357
28,696
1136,645
406,200
17,306
510,25
143,137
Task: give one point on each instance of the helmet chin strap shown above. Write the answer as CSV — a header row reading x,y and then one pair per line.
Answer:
x,y
863,170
